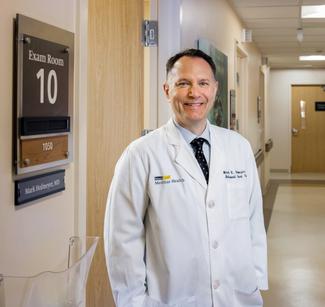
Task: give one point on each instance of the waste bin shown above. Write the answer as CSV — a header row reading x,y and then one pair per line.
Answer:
x,y
64,288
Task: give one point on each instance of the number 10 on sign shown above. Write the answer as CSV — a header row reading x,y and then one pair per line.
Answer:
x,y
52,92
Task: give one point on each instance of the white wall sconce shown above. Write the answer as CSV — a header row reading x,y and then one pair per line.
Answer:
x,y
300,35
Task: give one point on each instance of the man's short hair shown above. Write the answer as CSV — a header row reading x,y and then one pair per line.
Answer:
x,y
194,53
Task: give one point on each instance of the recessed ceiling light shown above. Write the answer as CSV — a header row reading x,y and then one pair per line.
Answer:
x,y
313,11
317,57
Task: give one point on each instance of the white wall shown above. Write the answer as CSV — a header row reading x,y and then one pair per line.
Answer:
x,y
39,231
280,110
267,130
169,43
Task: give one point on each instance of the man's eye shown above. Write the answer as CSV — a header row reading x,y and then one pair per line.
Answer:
x,y
204,83
182,84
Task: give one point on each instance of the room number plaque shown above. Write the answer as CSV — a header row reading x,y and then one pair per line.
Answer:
x,y
43,150
44,95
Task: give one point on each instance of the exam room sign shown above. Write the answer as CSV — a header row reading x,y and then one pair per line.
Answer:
x,y
45,78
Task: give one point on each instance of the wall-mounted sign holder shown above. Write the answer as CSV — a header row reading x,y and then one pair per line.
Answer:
x,y
320,106
150,33
44,57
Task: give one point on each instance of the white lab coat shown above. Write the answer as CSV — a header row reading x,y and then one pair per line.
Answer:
x,y
172,240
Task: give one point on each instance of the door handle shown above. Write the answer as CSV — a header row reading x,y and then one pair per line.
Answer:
x,y
294,131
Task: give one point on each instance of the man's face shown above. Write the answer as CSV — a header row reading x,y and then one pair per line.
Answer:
x,y
191,90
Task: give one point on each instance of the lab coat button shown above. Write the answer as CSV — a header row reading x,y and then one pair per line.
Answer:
x,y
211,204
215,244
216,284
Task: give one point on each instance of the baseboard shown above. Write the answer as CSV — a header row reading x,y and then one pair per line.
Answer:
x,y
279,170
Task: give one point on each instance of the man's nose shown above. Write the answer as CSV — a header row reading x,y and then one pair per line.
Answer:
x,y
194,91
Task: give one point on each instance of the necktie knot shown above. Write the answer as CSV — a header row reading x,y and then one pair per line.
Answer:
x,y
198,143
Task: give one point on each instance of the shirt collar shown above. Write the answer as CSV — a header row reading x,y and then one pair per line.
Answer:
x,y
190,136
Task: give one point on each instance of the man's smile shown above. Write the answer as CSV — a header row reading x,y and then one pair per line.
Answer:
x,y
194,104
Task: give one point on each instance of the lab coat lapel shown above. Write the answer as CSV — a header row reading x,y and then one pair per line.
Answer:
x,y
182,154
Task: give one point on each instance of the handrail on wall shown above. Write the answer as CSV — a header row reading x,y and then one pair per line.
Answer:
x,y
259,157
268,145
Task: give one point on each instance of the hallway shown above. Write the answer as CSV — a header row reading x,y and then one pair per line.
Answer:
x,y
296,243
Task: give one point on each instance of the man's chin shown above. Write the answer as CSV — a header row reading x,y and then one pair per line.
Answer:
x,y
195,121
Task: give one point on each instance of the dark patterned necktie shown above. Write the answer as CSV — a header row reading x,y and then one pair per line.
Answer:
x,y
198,152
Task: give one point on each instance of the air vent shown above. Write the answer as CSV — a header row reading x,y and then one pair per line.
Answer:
x,y
247,36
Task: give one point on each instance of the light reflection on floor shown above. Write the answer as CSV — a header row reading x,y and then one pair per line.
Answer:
x,y
297,176
296,242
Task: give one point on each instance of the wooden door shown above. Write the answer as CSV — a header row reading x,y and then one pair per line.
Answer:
x,y
115,114
308,129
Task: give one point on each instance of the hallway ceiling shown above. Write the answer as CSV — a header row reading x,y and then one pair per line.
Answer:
x,y
274,27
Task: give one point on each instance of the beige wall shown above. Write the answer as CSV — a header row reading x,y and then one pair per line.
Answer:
x,y
39,231
280,110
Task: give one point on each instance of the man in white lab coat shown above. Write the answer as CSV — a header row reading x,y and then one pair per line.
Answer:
x,y
184,224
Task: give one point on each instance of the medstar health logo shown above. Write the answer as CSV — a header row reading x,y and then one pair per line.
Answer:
x,y
167,179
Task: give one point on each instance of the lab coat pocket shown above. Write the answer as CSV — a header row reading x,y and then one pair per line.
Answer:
x,y
248,299
187,302
237,200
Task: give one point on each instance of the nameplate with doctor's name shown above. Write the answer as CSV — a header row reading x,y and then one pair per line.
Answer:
x,y
33,188
235,174
167,179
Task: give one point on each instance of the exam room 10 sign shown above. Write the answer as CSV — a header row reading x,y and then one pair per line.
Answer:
x,y
45,78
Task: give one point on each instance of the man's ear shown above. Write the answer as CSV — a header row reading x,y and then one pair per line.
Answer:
x,y
166,89
216,88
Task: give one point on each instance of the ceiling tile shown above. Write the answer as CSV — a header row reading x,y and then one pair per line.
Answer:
x,y
271,23
248,3
269,12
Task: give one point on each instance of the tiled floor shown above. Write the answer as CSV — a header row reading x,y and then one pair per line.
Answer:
x,y
296,242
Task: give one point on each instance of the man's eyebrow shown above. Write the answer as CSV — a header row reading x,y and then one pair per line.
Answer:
x,y
182,79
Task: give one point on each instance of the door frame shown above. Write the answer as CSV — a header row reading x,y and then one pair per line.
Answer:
x,y
80,144
151,76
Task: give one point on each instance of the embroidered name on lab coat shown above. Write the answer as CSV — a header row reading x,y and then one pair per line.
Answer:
x,y
235,174
167,180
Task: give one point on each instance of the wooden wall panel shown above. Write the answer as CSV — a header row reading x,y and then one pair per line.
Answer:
x,y
115,113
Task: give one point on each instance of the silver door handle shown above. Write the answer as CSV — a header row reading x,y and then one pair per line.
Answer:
x,y
294,131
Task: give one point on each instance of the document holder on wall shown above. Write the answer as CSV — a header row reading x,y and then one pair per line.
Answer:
x,y
64,288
